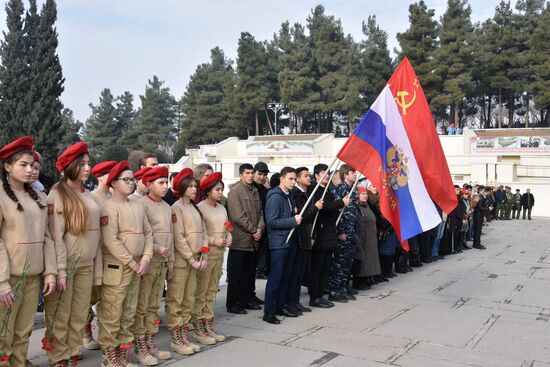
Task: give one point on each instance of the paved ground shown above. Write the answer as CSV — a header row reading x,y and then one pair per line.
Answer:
x,y
480,308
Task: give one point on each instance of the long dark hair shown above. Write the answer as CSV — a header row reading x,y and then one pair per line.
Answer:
x,y
28,188
184,185
75,212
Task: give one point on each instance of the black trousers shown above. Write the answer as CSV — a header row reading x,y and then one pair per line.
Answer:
x,y
262,259
301,263
241,277
478,223
319,269
527,211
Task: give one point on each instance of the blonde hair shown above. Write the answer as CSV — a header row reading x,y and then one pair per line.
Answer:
x,y
200,170
75,212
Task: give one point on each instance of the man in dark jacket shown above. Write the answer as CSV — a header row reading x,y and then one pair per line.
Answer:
x,y
527,203
300,195
280,218
245,213
260,177
324,239
480,211
500,202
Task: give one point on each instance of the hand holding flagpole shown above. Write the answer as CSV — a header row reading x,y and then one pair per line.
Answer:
x,y
311,197
323,198
348,195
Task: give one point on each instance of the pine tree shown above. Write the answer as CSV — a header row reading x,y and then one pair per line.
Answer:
x,y
209,103
47,74
252,90
418,43
101,128
14,80
125,117
453,59
71,128
157,119
540,64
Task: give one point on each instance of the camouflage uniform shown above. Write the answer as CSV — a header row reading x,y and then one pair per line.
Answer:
x,y
509,204
345,251
516,207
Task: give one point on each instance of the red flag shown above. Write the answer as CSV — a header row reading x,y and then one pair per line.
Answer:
x,y
420,127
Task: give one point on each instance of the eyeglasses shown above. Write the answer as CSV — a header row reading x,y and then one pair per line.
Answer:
x,y
127,180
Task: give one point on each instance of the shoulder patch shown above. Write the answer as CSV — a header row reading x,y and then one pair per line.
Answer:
x,y
50,209
174,218
104,220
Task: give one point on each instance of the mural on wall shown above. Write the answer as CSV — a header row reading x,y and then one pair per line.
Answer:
x,y
288,148
511,144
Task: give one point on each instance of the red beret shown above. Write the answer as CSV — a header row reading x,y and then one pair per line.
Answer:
x,y
210,180
139,173
103,168
16,146
361,189
186,172
464,191
70,154
116,171
37,157
154,173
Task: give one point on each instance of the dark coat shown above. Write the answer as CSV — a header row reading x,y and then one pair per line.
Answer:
x,y
457,215
279,217
527,200
244,210
304,230
325,233
482,206
367,246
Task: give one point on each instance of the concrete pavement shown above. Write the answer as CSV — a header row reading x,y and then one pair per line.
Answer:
x,y
479,308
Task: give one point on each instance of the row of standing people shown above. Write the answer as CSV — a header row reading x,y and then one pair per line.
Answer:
x,y
111,243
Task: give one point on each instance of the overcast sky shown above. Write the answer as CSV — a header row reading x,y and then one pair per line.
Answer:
x,y
120,44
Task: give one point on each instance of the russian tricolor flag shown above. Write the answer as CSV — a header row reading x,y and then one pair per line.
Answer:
x,y
380,149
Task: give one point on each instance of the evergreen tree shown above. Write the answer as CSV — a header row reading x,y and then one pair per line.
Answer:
x,y
71,129
101,128
157,119
454,59
125,117
540,65
252,90
208,105
418,43
14,81
47,74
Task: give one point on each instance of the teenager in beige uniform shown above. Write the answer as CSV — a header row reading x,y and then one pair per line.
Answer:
x,y
215,216
26,251
101,194
189,237
141,189
127,252
159,214
74,226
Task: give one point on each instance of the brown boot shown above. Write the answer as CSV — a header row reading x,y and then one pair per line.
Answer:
x,y
122,355
177,344
201,334
212,332
88,341
155,350
185,337
73,361
110,358
142,352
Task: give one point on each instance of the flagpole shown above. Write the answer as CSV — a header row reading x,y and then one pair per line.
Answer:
x,y
311,196
322,198
348,195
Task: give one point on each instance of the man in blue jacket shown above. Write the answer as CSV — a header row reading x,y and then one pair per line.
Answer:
x,y
280,217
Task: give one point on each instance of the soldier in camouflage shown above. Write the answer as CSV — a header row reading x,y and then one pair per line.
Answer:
x,y
508,203
516,208
348,232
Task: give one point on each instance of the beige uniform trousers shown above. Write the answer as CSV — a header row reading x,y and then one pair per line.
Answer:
x,y
14,340
180,296
70,316
94,301
150,296
207,288
119,296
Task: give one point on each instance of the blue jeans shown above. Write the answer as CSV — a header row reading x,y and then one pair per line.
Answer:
x,y
439,236
280,271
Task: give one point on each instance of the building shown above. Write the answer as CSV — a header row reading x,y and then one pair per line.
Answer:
x,y
519,158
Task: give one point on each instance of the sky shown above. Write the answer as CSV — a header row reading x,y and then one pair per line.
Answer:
x,y
120,44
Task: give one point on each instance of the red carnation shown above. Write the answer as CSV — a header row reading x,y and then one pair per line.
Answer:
x,y
156,322
204,249
228,226
4,357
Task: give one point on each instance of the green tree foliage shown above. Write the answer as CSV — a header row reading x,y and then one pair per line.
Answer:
x,y
539,46
101,130
157,119
70,127
419,43
208,105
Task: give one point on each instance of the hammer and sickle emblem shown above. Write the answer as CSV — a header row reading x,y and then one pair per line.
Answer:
x,y
401,102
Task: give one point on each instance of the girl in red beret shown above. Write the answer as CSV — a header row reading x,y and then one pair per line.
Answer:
x,y
219,237
147,319
190,257
26,251
127,252
74,225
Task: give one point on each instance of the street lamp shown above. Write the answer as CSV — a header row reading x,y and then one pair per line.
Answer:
x,y
275,107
